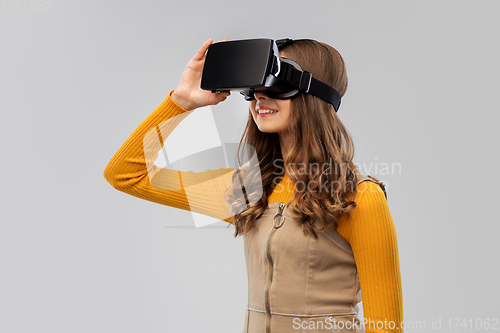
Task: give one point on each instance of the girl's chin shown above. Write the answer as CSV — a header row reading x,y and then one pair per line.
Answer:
x,y
268,130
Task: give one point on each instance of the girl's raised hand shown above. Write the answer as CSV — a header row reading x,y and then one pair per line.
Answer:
x,y
188,93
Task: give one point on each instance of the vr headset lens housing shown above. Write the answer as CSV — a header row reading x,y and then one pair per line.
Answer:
x,y
237,64
255,65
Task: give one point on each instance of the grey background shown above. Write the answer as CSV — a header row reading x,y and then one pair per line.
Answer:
x,y
76,78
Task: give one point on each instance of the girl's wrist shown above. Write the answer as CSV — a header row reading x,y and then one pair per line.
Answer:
x,y
182,102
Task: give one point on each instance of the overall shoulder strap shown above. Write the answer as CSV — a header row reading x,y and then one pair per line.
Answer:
x,y
373,179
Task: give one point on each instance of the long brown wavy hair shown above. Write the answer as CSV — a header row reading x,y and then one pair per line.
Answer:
x,y
319,141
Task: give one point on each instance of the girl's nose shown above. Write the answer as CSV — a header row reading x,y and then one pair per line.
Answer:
x,y
260,95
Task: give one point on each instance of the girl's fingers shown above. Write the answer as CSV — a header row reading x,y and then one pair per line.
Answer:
x,y
203,49
219,97
224,95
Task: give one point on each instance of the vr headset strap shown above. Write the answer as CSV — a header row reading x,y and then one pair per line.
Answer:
x,y
325,92
306,83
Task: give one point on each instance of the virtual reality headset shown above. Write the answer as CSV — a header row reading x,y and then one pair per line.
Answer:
x,y
255,65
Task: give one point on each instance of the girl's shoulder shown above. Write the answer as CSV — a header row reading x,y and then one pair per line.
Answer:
x,y
370,184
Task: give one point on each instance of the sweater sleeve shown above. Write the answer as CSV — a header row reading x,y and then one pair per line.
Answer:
x,y
371,232
132,169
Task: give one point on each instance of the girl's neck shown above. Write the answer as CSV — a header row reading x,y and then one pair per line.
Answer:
x,y
285,146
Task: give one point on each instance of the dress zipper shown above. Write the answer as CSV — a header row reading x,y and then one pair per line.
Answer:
x,y
276,225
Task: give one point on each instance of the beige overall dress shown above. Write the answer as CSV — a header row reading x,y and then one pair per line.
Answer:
x,y
297,283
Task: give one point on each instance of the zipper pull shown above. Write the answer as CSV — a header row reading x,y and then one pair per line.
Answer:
x,y
281,207
279,214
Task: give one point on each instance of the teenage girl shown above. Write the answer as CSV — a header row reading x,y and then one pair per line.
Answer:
x,y
319,236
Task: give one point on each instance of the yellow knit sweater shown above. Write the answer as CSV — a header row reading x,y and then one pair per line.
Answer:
x,y
369,229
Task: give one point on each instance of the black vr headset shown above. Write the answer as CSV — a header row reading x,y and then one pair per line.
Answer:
x,y
255,65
